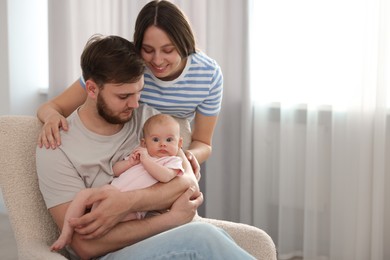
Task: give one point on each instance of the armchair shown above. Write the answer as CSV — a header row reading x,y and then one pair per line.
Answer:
x,y
31,222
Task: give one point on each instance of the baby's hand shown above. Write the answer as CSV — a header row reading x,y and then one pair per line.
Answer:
x,y
133,159
141,152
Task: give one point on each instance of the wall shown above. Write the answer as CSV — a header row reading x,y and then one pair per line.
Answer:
x,y
4,89
23,52
23,56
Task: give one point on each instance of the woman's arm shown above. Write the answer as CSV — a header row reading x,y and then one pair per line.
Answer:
x,y
202,135
53,114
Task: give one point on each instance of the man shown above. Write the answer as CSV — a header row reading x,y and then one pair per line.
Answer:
x,y
100,133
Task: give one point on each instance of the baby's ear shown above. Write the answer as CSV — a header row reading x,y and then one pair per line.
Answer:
x,y
180,142
143,143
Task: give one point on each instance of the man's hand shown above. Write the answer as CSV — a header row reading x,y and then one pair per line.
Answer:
x,y
184,208
112,207
50,132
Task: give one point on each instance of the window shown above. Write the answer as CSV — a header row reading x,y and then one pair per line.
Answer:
x,y
317,52
28,43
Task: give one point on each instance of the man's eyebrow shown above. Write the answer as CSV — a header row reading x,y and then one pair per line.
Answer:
x,y
129,94
143,86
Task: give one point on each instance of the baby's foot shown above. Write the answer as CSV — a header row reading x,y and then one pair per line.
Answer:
x,y
59,244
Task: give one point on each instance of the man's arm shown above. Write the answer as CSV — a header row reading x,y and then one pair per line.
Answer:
x,y
130,232
114,205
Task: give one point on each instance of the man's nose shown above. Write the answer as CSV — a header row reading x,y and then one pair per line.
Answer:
x,y
133,102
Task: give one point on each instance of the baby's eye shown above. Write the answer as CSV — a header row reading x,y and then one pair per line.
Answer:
x,y
170,139
155,139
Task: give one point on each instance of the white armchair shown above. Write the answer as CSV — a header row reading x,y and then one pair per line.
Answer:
x,y
31,222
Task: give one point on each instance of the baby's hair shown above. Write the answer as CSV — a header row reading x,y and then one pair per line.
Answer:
x,y
158,119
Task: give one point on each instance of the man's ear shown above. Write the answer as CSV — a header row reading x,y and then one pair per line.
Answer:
x,y
143,143
92,88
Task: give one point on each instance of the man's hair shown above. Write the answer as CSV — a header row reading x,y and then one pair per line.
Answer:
x,y
111,59
169,18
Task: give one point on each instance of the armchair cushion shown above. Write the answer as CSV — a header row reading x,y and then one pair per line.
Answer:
x,y
33,226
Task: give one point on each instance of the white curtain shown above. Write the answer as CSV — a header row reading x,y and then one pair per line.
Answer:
x,y
317,146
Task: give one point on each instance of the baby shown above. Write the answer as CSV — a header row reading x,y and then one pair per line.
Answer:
x,y
155,160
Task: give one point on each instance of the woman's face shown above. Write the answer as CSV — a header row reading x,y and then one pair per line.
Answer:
x,y
161,55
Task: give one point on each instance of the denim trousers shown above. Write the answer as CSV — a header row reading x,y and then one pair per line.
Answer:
x,y
195,240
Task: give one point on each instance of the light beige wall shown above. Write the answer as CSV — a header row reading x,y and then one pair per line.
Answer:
x,y
4,88
23,52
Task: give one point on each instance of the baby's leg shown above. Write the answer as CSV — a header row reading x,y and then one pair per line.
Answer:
x,y
76,209
132,216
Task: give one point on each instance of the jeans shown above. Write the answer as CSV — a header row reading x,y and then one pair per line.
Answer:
x,y
195,240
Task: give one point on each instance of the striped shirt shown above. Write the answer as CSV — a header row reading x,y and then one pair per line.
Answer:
x,y
198,89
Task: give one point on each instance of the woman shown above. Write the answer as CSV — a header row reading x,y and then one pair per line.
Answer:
x,y
179,80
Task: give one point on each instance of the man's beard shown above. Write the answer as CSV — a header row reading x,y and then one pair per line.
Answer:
x,y
107,114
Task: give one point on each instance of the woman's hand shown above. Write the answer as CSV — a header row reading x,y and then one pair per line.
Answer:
x,y
50,133
194,164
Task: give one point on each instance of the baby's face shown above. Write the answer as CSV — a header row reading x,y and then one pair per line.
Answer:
x,y
163,140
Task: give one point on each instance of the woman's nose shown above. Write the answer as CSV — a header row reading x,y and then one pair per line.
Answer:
x,y
157,58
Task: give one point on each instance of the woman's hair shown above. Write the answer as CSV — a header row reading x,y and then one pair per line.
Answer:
x,y
169,18
111,59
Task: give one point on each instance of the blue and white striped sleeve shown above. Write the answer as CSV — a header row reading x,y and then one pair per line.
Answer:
x,y
212,104
82,81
